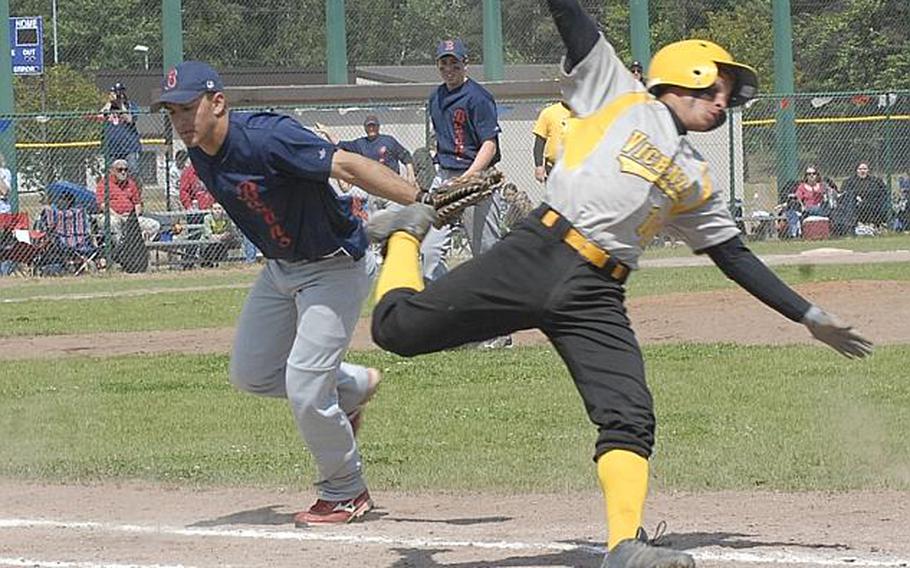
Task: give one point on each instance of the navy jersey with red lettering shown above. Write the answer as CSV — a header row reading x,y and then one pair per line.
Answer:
x,y
463,119
384,149
271,175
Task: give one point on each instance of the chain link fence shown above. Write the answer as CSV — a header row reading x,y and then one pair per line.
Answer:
x,y
62,160
60,157
855,148
83,183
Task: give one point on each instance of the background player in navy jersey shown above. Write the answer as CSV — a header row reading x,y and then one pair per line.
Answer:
x,y
467,141
382,148
271,175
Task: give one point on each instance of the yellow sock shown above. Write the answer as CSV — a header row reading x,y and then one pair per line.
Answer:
x,y
401,266
623,478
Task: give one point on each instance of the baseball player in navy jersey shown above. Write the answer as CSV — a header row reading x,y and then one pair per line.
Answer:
x,y
627,170
466,128
382,148
271,175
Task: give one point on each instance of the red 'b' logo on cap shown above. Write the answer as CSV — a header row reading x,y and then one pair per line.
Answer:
x,y
450,44
171,79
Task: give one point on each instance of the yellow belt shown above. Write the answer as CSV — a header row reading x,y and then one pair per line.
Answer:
x,y
587,249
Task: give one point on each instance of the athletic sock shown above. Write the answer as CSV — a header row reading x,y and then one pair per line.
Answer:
x,y
623,478
401,265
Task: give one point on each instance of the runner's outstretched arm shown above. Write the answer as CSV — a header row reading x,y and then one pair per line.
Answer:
x,y
579,32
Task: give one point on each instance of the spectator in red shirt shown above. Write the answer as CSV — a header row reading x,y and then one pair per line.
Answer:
x,y
192,188
811,192
125,197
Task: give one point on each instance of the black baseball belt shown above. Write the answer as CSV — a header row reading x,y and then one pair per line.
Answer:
x,y
601,259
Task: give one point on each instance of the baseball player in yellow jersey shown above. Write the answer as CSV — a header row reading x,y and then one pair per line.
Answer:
x,y
627,171
548,132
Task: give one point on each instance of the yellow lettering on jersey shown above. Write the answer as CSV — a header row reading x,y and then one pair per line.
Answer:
x,y
640,157
584,134
650,226
706,189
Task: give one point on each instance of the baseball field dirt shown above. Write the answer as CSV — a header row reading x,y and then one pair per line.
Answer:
x,y
145,526
876,308
115,525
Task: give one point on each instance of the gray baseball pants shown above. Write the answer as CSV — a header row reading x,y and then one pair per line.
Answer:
x,y
482,223
293,331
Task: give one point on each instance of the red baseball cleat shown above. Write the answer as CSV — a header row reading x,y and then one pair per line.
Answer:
x,y
334,512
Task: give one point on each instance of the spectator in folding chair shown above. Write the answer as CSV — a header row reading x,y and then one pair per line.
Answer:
x,y
218,229
16,252
70,242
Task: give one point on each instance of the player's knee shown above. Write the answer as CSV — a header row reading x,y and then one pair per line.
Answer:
x,y
397,343
250,381
241,382
386,331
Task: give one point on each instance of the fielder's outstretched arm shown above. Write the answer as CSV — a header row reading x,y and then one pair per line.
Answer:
x,y
372,176
577,29
735,259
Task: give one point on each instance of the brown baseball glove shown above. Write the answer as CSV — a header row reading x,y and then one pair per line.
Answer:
x,y
451,199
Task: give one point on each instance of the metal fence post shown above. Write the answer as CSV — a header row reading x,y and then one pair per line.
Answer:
x,y
8,106
168,160
172,32
493,68
640,30
889,165
108,245
731,142
336,44
785,127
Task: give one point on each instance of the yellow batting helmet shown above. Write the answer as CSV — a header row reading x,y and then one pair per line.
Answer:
x,y
695,64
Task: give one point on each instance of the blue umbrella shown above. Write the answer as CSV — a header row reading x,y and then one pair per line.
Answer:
x,y
82,196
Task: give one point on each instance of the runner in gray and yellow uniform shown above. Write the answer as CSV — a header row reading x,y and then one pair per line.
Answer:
x,y
627,171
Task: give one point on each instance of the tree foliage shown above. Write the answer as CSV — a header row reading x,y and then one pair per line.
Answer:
x,y
744,30
853,45
838,44
64,89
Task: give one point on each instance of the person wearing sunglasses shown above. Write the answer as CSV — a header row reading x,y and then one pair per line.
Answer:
x,y
811,193
122,194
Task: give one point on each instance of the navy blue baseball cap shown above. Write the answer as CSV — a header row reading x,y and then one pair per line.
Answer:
x,y
454,47
187,82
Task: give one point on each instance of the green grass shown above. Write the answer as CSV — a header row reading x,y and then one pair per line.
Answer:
x,y
730,417
244,275
220,307
658,281
177,310
893,241
120,283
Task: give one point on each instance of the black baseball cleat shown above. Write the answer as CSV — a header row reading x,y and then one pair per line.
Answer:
x,y
415,220
633,553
